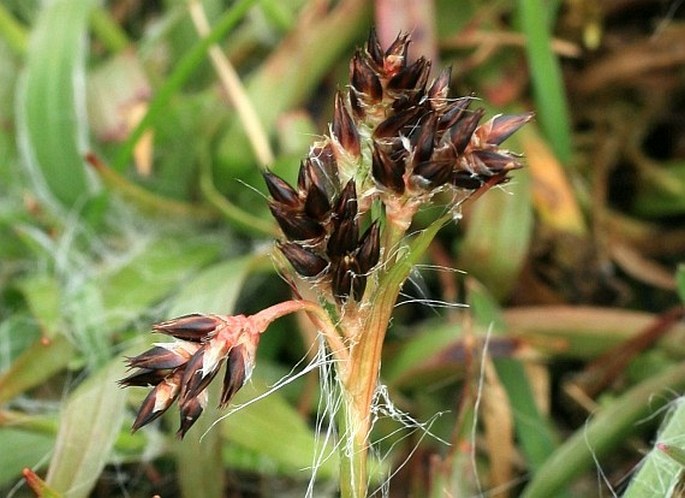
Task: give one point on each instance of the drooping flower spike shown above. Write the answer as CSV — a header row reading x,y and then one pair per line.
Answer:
x,y
181,370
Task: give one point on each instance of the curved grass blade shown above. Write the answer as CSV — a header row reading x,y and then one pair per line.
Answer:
x,y
89,426
545,72
609,428
183,71
52,127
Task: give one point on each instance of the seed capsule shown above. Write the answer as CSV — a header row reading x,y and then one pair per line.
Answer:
x,y
347,279
343,127
364,79
159,358
440,88
305,262
295,225
346,205
343,238
425,140
280,190
144,377
190,410
411,78
465,180
495,162
454,112
503,126
157,401
396,55
194,327
399,123
373,48
369,248
461,132
235,375
436,171
387,172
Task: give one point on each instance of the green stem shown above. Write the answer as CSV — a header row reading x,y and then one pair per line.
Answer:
x,y
367,326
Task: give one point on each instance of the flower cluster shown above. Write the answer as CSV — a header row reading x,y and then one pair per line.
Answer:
x,y
182,370
396,140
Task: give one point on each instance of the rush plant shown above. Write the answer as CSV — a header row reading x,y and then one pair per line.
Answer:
x,y
398,143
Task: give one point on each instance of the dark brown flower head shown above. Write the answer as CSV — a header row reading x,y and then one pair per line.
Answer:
x,y
182,370
396,139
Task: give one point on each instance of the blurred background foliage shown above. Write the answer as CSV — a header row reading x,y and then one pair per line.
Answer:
x,y
131,151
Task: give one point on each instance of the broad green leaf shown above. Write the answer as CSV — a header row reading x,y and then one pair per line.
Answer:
x,y
273,428
42,294
52,125
17,333
499,231
35,365
423,345
215,289
89,425
22,449
152,274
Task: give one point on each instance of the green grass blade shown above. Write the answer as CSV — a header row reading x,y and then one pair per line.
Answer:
x,y
89,425
52,127
183,71
537,438
548,86
608,429
659,474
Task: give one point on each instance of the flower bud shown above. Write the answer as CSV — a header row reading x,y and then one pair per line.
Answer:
x,y
344,128
295,225
195,327
462,131
369,248
281,191
305,262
